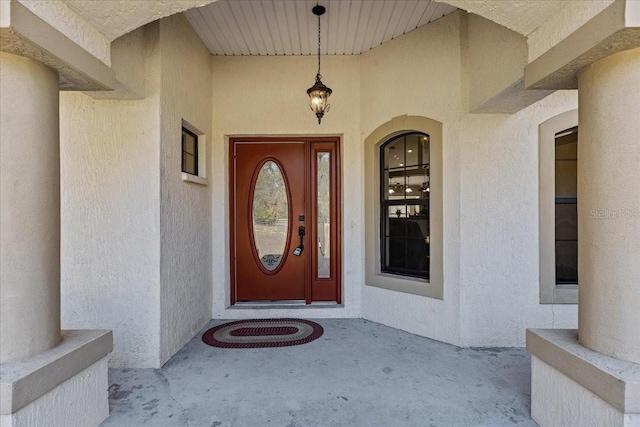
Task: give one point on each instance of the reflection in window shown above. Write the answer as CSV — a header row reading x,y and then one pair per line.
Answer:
x,y
566,215
404,205
270,216
324,214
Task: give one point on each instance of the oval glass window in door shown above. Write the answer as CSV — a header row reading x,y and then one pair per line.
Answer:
x,y
270,216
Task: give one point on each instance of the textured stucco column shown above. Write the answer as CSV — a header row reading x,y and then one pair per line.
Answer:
x,y
30,208
609,206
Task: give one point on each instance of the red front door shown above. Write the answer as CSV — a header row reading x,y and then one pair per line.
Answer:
x,y
270,198
285,225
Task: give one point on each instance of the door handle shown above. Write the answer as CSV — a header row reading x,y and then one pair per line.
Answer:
x,y
301,232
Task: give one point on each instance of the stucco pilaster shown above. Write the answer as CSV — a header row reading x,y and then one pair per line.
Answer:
x,y
609,206
30,215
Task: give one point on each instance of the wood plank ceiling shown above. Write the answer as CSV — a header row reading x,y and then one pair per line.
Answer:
x,y
287,27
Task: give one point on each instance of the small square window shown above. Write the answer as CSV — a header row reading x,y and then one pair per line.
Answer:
x,y
189,152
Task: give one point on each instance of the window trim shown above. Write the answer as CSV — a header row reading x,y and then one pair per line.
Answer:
x,y
550,291
433,287
201,155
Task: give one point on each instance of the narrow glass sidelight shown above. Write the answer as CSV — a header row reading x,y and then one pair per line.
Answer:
x,y
270,216
324,215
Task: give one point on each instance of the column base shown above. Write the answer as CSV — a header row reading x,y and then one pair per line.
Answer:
x,y
572,385
65,386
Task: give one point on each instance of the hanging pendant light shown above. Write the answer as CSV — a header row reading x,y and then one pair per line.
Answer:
x,y
319,93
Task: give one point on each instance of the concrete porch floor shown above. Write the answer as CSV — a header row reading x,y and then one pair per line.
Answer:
x,y
359,373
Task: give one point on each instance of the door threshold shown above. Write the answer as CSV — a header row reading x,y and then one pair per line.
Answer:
x,y
283,304
271,302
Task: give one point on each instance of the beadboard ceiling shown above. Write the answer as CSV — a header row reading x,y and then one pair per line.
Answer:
x,y
288,27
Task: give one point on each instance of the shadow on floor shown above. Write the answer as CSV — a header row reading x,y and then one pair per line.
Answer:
x,y
359,373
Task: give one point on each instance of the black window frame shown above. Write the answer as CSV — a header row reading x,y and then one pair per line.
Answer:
x,y
195,154
386,203
564,200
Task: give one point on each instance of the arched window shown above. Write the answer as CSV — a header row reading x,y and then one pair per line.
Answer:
x,y
404,208
558,150
404,205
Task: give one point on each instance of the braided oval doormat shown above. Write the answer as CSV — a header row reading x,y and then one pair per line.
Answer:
x,y
258,333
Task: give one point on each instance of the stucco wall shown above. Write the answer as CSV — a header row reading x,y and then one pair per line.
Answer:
x,y
499,245
136,245
185,208
491,287
267,96
110,157
496,58
420,74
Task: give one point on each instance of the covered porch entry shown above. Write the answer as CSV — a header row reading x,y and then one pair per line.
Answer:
x,y
359,373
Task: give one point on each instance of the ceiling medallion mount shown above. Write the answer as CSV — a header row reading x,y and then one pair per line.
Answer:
x,y
319,93
318,10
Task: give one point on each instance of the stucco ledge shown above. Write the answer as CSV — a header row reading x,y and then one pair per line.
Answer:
x,y
615,29
25,34
23,381
187,177
615,381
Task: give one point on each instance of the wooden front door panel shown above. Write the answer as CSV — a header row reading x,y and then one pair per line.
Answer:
x,y
263,271
277,186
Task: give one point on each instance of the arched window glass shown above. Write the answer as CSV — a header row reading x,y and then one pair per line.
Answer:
x,y
404,205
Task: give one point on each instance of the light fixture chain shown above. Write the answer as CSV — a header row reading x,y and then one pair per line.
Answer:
x,y
318,45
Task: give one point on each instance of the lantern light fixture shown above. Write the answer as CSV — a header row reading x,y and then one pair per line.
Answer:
x,y
319,93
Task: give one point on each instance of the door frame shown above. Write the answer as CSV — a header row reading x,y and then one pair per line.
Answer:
x,y
313,144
